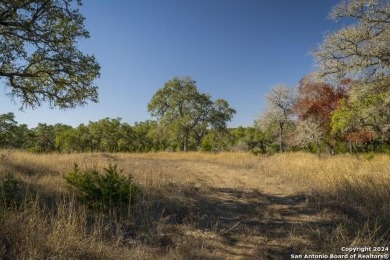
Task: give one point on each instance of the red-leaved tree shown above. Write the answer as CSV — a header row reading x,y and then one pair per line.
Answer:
x,y
315,103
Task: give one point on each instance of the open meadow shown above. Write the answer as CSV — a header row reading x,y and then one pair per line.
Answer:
x,y
263,156
196,206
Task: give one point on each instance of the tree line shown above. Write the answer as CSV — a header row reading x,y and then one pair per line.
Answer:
x,y
113,135
343,106
320,117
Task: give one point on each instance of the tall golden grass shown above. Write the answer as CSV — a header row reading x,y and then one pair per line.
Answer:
x,y
199,205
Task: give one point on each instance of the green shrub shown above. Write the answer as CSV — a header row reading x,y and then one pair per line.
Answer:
x,y
104,191
256,151
10,190
206,145
369,156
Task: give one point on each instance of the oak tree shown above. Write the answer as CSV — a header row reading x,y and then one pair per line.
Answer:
x,y
39,57
183,111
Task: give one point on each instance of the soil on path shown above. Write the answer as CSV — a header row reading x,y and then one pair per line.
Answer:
x,y
230,212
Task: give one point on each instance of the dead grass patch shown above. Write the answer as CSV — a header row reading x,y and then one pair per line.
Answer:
x,y
199,205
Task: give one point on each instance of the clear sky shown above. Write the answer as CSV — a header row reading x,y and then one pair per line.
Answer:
x,y
234,49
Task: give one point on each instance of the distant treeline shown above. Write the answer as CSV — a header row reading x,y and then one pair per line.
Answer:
x,y
343,106
113,135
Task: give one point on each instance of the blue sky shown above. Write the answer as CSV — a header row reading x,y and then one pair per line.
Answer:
x,y
235,50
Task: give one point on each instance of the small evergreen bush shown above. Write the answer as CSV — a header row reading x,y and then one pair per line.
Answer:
x,y
104,191
10,191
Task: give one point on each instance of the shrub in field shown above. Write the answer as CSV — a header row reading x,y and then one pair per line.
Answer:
x,y
369,156
106,190
10,190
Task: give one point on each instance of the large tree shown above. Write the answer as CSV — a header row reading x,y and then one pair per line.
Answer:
x,y
365,115
182,110
361,49
39,58
314,105
8,126
44,138
278,112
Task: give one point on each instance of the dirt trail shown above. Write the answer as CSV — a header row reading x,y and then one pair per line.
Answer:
x,y
270,211
243,217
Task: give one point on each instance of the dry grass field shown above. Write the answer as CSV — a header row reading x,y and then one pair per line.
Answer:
x,y
198,206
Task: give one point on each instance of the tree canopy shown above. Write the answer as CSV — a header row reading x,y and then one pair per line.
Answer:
x,y
39,58
366,113
40,62
315,103
278,112
184,112
361,49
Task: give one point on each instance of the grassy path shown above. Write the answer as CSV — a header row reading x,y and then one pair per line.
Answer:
x,y
200,206
242,213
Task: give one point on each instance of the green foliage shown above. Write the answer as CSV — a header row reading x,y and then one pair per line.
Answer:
x,y
147,137
215,140
7,128
256,151
364,117
369,156
342,118
103,191
44,138
207,143
10,191
40,60
185,114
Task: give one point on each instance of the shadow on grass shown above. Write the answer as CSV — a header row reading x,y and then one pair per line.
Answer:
x,y
28,169
234,222
201,222
365,208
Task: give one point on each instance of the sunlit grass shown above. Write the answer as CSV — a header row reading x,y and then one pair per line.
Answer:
x,y
192,202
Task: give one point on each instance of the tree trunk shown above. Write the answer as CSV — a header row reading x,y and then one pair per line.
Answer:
x,y
318,149
281,138
198,139
185,143
262,147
